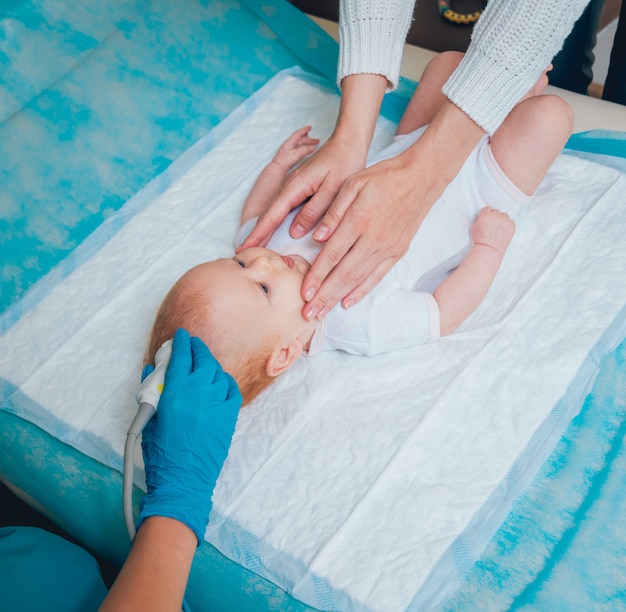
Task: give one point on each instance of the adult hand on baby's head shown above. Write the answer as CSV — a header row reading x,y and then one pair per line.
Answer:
x,y
186,443
317,179
379,210
371,224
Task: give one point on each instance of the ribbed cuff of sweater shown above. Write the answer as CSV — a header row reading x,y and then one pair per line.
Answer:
x,y
485,89
372,46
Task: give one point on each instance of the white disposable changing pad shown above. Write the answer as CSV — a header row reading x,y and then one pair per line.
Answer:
x,y
353,483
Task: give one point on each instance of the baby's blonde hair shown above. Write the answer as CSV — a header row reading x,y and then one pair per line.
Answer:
x,y
191,309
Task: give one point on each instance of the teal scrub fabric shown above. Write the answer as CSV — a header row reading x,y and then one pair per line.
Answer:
x,y
42,571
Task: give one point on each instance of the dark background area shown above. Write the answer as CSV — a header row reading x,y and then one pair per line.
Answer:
x,y
428,30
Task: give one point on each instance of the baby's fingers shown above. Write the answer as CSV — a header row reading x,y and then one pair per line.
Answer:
x,y
294,140
291,158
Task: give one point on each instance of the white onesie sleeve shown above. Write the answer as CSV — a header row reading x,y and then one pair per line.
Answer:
x,y
388,319
403,320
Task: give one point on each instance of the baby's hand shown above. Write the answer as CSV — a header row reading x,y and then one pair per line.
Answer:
x,y
295,149
493,228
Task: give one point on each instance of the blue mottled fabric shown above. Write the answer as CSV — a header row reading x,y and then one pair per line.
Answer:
x,y
97,98
562,546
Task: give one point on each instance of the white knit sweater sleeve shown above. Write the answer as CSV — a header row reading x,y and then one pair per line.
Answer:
x,y
371,36
512,43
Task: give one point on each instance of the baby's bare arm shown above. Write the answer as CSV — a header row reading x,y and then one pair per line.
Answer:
x,y
461,293
264,190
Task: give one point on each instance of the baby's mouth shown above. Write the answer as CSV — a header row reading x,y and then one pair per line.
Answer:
x,y
297,262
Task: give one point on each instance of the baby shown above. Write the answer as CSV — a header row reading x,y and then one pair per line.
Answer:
x,y
248,308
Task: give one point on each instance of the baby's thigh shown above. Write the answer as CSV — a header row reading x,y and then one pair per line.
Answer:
x,y
530,139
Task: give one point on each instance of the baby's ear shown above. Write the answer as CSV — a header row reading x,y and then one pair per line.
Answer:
x,y
283,358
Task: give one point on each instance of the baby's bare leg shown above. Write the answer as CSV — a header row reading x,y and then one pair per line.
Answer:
x,y
427,98
539,87
531,137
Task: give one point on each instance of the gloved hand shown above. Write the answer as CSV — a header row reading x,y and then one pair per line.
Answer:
x,y
185,444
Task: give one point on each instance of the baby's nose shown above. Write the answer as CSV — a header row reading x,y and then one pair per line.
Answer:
x,y
263,262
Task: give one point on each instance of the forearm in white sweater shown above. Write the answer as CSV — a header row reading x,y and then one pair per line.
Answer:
x,y
372,35
512,43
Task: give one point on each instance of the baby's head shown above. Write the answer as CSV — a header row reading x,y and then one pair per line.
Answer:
x,y
247,309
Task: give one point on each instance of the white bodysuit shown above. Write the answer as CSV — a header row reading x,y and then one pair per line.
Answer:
x,y
401,310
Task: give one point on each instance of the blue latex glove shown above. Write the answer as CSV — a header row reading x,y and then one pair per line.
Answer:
x,y
185,444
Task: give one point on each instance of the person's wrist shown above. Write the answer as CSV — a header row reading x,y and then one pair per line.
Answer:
x,y
344,148
361,98
173,525
456,132
179,494
190,508
444,146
